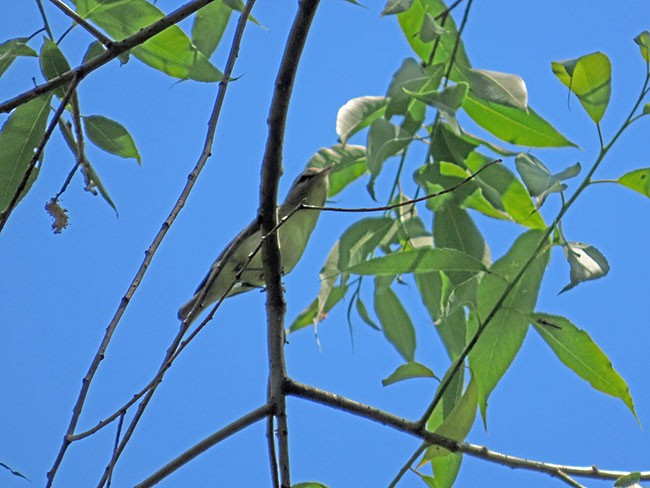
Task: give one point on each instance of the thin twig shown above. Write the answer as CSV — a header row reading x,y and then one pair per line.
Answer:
x,y
46,24
135,283
106,41
407,202
4,216
273,458
413,428
202,446
115,50
407,465
271,171
452,58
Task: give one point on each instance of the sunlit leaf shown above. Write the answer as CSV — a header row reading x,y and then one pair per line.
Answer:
x,y
523,128
209,25
363,313
643,41
394,7
501,88
431,29
110,136
349,164
170,51
503,336
309,484
587,263
407,371
577,350
419,261
538,178
20,137
357,114
590,78
631,480
394,319
637,180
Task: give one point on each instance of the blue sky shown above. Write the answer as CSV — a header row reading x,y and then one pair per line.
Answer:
x,y
59,292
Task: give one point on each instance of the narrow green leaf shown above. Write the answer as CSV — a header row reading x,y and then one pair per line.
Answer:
x,y
13,48
110,136
643,41
239,6
577,351
53,64
590,78
310,315
363,313
407,371
501,88
95,49
394,7
209,25
357,114
93,181
361,239
171,51
395,322
587,263
503,336
349,164
446,469
20,136
637,180
419,261
538,178
514,125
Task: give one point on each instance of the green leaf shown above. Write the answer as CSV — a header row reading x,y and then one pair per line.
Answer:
x,y
93,181
95,49
637,180
430,30
503,336
309,484
209,25
239,6
11,49
21,135
501,88
631,480
110,136
357,114
384,140
394,7
363,313
448,145
590,78
171,51
419,261
447,101
524,128
506,192
395,322
407,371
349,164
587,263
412,22
458,423
538,178
410,77
446,469
53,64
362,238
643,41
577,351
311,314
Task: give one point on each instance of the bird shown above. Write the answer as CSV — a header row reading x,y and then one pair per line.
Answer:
x,y
309,188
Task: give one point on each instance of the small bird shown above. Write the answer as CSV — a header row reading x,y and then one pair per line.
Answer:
x,y
309,188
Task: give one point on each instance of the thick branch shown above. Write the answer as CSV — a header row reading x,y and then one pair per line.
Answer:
x,y
271,171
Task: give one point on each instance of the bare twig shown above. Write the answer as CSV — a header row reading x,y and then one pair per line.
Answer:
x,y
106,41
115,50
205,154
213,439
271,171
405,203
4,216
407,465
273,458
414,428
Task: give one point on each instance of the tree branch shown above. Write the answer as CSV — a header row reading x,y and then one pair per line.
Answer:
x,y
271,171
202,446
106,41
415,429
113,52
191,179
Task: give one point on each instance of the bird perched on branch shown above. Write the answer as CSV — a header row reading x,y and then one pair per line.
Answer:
x,y
309,188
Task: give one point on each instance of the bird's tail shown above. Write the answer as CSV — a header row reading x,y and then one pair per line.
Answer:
x,y
184,311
